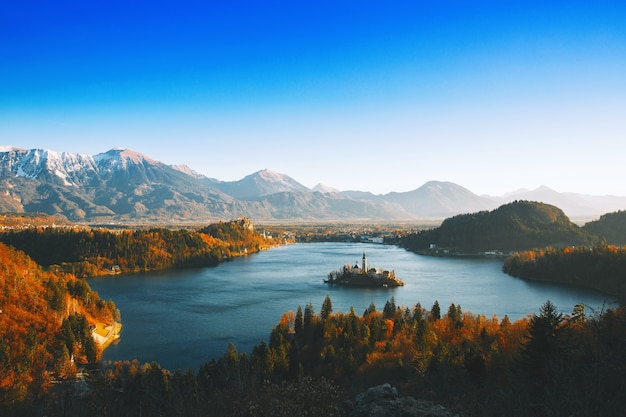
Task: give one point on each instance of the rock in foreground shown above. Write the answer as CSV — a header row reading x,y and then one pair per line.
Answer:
x,y
383,401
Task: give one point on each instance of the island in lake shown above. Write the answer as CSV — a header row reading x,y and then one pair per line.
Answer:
x,y
361,276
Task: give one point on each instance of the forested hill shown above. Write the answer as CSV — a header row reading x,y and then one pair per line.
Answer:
x,y
91,252
45,320
599,267
519,225
611,228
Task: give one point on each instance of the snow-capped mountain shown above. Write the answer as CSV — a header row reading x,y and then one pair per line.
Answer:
x,y
124,185
119,159
116,185
187,170
71,169
260,184
127,186
325,189
64,168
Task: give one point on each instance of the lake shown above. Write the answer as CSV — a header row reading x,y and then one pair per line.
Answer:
x,y
183,318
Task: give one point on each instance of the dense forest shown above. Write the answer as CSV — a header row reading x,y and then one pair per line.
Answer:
x,y
548,364
610,227
45,327
599,267
89,252
520,225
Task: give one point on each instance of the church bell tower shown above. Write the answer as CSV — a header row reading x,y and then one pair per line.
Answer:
x,y
364,263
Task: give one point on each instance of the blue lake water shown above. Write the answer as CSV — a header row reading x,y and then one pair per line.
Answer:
x,y
183,318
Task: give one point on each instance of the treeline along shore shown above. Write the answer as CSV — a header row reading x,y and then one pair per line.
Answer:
x,y
599,267
88,252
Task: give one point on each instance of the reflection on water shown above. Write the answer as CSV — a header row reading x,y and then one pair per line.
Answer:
x,y
182,319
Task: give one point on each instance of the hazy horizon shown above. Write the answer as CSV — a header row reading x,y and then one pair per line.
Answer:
x,y
357,96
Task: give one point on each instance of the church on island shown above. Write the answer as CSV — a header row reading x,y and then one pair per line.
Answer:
x,y
361,276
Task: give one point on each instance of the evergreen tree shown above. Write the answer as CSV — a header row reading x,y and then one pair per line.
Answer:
x,y
327,308
68,335
418,312
435,311
455,315
542,352
299,321
57,294
390,308
90,349
370,309
309,312
63,365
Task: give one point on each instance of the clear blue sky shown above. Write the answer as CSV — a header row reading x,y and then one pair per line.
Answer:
x,y
376,96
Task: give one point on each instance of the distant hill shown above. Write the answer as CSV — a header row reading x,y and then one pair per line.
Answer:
x,y
323,188
260,184
611,228
439,199
515,226
580,207
315,206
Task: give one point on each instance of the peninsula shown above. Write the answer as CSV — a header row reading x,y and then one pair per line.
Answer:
x,y
362,276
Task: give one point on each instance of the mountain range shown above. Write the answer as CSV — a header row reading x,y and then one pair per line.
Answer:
x,y
122,185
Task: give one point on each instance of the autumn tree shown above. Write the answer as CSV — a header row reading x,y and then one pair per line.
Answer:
x,y
578,314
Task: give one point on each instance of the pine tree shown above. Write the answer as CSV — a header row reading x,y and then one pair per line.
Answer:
x,y
308,316
299,321
435,311
90,349
541,353
390,308
455,315
327,308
